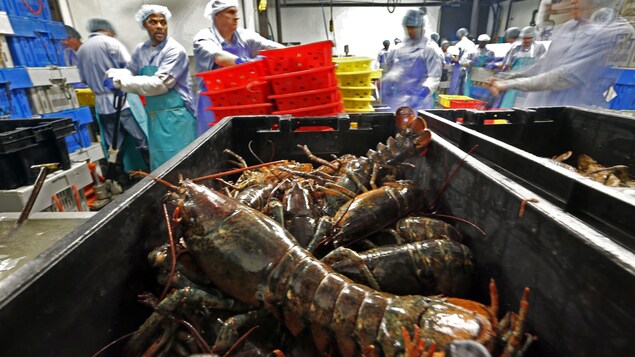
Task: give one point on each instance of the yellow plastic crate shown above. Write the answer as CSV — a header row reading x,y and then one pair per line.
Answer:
x,y
376,74
367,110
362,104
85,97
355,79
357,92
352,64
459,101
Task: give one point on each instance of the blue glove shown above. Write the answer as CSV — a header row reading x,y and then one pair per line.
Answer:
x,y
108,83
245,59
424,92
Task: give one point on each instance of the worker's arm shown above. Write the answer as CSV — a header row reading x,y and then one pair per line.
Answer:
x,y
552,80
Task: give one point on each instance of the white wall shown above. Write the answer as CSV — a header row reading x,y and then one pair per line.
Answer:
x,y
520,15
363,29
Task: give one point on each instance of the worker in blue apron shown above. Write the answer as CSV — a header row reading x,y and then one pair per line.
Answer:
x,y
521,56
159,70
220,45
416,67
478,57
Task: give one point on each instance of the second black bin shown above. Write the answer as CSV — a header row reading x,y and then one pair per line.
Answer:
x,y
82,293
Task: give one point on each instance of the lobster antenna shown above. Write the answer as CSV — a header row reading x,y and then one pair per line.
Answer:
x,y
197,335
458,219
143,173
251,150
237,171
168,285
112,343
450,177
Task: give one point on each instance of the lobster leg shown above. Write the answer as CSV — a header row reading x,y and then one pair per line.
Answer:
x,y
228,334
350,264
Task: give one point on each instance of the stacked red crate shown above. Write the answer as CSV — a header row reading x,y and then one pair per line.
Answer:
x,y
238,90
303,80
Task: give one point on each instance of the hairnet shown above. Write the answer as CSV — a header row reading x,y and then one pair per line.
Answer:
x,y
512,32
462,32
99,24
434,36
528,32
215,6
413,18
386,43
71,32
483,38
453,50
443,43
147,10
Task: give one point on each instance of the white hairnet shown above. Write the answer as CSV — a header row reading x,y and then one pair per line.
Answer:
x,y
527,32
462,32
483,38
147,10
99,24
215,6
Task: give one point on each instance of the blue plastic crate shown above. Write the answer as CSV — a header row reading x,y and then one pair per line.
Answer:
x,y
29,8
625,89
14,100
36,42
82,117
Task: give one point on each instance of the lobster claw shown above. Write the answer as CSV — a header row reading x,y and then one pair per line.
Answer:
x,y
407,121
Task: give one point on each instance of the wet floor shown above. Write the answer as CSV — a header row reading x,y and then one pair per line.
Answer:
x,y
18,247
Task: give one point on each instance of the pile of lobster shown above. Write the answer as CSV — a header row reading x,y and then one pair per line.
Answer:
x,y
289,259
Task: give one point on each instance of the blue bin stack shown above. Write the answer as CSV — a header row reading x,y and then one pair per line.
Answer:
x,y
625,90
36,42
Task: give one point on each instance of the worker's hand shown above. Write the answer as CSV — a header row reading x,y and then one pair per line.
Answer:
x,y
424,92
496,87
110,84
245,59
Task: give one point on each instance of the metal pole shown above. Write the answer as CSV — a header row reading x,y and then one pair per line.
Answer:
x,y
474,18
278,21
509,12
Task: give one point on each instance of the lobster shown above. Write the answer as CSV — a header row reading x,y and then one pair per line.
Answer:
x,y
253,259
425,268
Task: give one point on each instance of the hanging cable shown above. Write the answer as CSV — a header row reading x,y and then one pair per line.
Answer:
x,y
326,31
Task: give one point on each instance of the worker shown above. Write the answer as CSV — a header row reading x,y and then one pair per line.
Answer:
x,y
511,35
527,48
569,73
383,54
453,55
223,44
95,57
71,44
478,57
435,37
159,70
447,58
416,68
465,46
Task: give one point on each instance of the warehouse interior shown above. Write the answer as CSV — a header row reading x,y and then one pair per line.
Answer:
x,y
438,178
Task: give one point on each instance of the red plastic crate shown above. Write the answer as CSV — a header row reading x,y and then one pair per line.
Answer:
x,y
311,79
298,58
233,76
253,93
253,109
330,109
460,102
305,99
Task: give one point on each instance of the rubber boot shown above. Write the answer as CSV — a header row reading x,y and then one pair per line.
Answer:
x,y
145,155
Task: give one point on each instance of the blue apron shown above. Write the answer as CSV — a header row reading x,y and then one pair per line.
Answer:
x,y
206,117
455,81
481,61
511,96
171,127
402,91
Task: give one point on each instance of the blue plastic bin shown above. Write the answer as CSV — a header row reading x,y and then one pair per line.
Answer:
x,y
14,101
82,117
39,9
625,89
36,42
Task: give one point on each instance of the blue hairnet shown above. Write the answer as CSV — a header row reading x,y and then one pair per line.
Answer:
x,y
147,10
512,32
462,32
528,32
443,43
435,36
386,43
99,24
71,32
413,18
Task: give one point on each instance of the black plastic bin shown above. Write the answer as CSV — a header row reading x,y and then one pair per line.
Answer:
x,y
81,294
26,142
522,150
